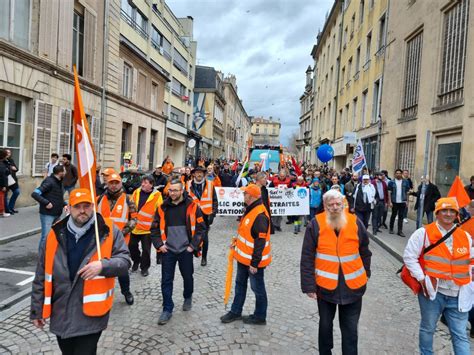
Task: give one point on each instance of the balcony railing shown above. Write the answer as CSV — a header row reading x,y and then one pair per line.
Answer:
x,y
132,23
409,113
180,67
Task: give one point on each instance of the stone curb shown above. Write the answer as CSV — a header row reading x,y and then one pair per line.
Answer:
x,y
11,238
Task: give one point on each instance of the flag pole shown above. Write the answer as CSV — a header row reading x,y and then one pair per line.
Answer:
x,y
91,185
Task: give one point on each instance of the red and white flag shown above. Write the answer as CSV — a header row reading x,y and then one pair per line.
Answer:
x,y
84,147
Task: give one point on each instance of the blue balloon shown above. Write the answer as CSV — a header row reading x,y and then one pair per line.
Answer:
x,y
325,153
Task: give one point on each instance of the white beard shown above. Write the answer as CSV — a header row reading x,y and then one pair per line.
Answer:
x,y
336,222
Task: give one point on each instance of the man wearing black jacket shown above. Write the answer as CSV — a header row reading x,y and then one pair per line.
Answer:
x,y
226,176
252,251
50,196
323,252
177,230
429,193
261,181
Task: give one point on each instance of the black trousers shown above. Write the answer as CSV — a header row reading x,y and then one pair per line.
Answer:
x,y
124,282
364,217
348,321
397,209
205,238
82,345
377,215
142,258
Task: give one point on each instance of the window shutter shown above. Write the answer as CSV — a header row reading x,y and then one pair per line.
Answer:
x,y
48,31
64,131
90,25
42,136
95,133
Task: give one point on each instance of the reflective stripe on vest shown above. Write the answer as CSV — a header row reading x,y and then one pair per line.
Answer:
x,y
244,243
335,253
206,198
94,302
119,214
190,213
146,213
443,264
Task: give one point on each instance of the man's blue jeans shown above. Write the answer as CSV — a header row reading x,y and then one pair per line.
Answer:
x,y
168,266
46,223
257,284
10,203
457,323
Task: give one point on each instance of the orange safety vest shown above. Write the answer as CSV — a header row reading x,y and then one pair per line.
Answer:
x,y
119,214
245,242
338,252
146,213
190,213
206,198
98,293
441,263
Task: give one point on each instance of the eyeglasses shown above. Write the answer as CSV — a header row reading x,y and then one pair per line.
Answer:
x,y
172,191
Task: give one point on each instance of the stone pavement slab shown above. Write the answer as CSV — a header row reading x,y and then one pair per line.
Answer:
x,y
21,224
388,325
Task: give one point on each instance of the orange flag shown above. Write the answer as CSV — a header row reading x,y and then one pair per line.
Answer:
x,y
457,191
85,150
228,275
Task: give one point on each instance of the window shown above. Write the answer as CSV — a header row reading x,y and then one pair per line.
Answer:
x,y
354,114
78,42
156,38
343,75
406,155
353,19
11,120
142,98
364,108
349,69
177,88
141,146
151,160
64,132
154,96
345,37
15,21
361,11
367,52
42,136
257,131
134,18
357,62
371,4
376,103
454,54
180,62
412,76
382,25
127,80
126,139
346,118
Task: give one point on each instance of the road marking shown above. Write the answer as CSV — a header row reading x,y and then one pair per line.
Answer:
x,y
22,272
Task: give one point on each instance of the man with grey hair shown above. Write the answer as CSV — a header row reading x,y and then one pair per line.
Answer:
x,y
335,267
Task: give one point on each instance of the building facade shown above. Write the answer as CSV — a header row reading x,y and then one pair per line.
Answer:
x,y
306,119
427,112
237,122
266,130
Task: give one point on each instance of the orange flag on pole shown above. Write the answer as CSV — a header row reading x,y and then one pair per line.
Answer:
x,y
457,191
85,150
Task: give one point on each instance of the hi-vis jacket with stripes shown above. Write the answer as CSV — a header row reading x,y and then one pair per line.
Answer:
x,y
81,307
342,281
208,199
145,214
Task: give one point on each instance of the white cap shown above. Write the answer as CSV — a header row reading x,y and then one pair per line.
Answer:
x,y
365,177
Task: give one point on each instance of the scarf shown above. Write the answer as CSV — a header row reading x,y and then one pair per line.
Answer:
x,y
79,232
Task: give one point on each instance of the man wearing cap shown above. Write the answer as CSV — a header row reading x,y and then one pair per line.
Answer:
x,y
73,286
335,267
116,205
160,179
203,192
445,276
252,250
147,201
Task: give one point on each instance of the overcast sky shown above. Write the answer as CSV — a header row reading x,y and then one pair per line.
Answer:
x,y
266,44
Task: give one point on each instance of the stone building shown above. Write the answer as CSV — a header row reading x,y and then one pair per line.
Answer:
x,y
266,130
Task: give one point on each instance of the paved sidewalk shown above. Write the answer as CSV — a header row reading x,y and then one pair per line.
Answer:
x,y
20,225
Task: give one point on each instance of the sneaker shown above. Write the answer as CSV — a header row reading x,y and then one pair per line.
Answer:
x,y
135,266
230,317
251,319
188,304
6,215
203,262
164,318
145,273
128,298
405,220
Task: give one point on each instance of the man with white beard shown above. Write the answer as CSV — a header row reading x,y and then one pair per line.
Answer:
x,y
335,267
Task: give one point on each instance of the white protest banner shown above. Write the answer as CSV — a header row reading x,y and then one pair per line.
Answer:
x,y
283,201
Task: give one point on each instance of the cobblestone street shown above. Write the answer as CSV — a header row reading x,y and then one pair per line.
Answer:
x,y
389,323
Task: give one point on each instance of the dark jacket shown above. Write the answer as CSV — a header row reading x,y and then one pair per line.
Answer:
x,y
99,186
11,164
160,180
4,172
349,189
67,317
71,176
432,195
342,294
259,226
392,187
226,178
266,203
175,217
51,191
470,191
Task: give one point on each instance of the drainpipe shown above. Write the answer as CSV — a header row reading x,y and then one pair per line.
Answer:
x,y
104,79
380,123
